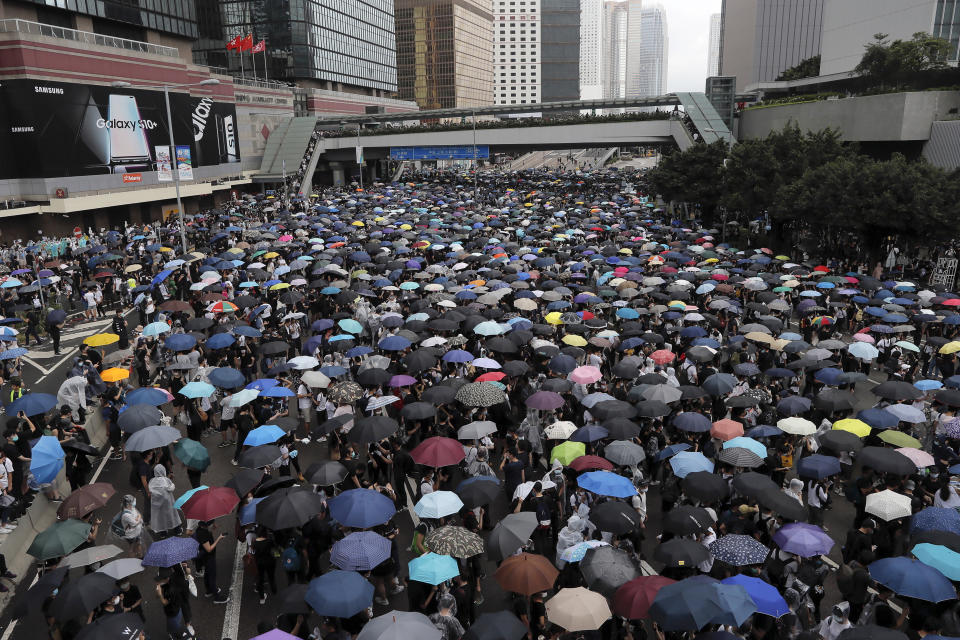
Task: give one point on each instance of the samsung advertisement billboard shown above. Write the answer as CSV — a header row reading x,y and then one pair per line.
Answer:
x,y
57,129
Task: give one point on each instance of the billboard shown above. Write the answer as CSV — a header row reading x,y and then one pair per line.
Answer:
x,y
57,129
466,152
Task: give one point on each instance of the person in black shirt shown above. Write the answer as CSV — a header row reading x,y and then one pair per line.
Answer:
x,y
171,598
208,560
131,600
14,453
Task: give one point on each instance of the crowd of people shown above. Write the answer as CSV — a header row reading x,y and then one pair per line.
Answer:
x,y
556,412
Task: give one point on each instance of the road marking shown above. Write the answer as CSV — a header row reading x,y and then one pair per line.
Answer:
x,y
231,615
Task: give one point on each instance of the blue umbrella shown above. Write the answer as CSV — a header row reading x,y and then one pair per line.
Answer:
x,y
277,392
248,512
262,384
689,461
764,431
692,421
739,550
878,418
147,395
180,342
339,594
350,326
187,495
160,277
155,328
46,459
171,551
266,434
458,355
818,467
11,354
433,569
589,433
768,599
605,483
32,404
249,332
941,558
672,450
226,377
361,508
198,389
936,519
394,343
219,341
360,551
913,579
438,504
746,443
691,604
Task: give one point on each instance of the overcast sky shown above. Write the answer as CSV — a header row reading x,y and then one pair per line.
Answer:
x,y
688,23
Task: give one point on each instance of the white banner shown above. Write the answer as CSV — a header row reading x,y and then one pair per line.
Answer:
x,y
164,167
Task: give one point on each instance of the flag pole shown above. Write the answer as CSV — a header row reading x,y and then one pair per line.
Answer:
x,y
240,51
266,75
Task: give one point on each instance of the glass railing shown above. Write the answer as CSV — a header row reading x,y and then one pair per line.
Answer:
x,y
15,25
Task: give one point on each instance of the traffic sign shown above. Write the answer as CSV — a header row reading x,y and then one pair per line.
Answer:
x,y
464,152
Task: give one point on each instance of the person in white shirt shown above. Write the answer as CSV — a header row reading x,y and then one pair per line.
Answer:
x,y
6,476
304,404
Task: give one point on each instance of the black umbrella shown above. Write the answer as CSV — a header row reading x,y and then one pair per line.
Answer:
x,y
681,552
30,601
479,491
839,440
897,390
293,599
782,505
374,377
621,428
886,460
686,520
751,484
275,347
833,400
288,508
609,409
652,409
139,416
615,517
267,487
244,481
705,486
606,569
514,368
420,360
81,596
944,538
439,394
372,429
56,316
501,625
82,447
331,425
120,626
418,411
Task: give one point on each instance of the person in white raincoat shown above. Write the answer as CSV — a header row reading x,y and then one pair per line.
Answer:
x,y
73,393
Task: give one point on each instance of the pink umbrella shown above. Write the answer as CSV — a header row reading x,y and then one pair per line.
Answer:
x,y
919,457
438,452
726,429
585,375
863,337
285,238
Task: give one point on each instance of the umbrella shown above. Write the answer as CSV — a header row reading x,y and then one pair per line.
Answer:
x,y
782,504
153,437
478,491
289,508
911,578
401,625
624,452
500,625
454,541
818,467
577,609
739,550
889,505
244,481
192,454
81,596
260,457
705,486
577,551
752,484
170,551
480,394
681,552
121,568
616,517
264,434
690,461
374,429
690,604
147,395
438,452
936,519
545,400
326,473
476,430
139,416
361,508
740,457
687,520
208,504
344,392
768,599
432,568
46,459
886,460
804,540
85,500
438,504
510,534
605,483
59,539
839,441
339,594
606,568
633,599
567,452
31,601
941,558
360,551
90,555
526,574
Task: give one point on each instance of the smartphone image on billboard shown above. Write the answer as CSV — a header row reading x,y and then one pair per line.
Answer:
x,y
128,139
94,139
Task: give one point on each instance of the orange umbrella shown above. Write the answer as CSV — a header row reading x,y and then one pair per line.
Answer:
x,y
115,374
526,574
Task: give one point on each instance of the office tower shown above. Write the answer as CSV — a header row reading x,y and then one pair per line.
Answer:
x,y
849,25
444,53
326,44
760,39
713,54
560,50
516,51
634,47
591,49
614,48
649,67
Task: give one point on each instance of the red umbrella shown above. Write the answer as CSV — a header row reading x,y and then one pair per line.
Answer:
x,y
438,452
662,356
633,599
492,376
591,462
211,503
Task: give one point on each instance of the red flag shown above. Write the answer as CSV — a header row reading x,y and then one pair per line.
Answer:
x,y
247,43
260,46
235,43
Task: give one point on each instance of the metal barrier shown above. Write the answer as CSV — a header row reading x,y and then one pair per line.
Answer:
x,y
16,25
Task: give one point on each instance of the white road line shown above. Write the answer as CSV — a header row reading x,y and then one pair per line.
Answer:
x,y
231,615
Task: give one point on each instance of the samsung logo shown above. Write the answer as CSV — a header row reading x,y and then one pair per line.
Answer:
x,y
55,90
21,129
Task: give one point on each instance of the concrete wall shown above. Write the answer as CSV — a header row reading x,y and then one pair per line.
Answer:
x,y
943,147
848,25
884,118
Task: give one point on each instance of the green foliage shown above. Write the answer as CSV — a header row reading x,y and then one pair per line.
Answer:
x,y
898,61
805,69
691,175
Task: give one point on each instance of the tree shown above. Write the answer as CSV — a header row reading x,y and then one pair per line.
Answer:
x,y
693,176
804,69
899,61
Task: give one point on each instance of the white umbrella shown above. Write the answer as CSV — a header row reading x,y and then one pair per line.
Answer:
x,y
578,609
797,426
906,413
380,402
315,379
241,398
302,363
476,430
560,430
889,505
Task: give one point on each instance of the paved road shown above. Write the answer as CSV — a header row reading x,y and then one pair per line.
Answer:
x,y
239,618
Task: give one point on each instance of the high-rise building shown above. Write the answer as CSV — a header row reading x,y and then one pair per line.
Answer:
x,y
614,77
650,65
325,44
760,39
444,53
713,52
849,25
591,49
516,51
559,50
634,47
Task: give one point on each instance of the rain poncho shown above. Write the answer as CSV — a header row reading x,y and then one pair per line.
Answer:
x,y
570,535
73,393
163,515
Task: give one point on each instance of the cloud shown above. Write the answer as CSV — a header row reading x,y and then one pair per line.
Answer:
x,y
688,27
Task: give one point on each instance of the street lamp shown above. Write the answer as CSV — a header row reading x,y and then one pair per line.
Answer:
x,y
726,132
173,149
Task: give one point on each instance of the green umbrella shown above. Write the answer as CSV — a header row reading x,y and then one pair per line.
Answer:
x,y
567,452
59,539
192,454
900,439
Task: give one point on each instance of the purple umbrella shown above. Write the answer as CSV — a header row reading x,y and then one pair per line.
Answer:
x,y
402,380
804,540
545,400
170,551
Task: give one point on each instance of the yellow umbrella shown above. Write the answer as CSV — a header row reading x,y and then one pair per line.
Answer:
x,y
271,254
858,428
166,250
781,257
280,285
554,317
950,347
357,223
405,227
567,452
114,374
574,340
101,339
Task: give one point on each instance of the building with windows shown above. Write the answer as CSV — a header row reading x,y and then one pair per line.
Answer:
x,y
559,50
649,67
614,64
516,51
444,57
591,49
634,47
713,50
339,45
760,39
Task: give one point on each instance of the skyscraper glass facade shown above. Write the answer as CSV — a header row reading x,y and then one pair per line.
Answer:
x,y
946,25
178,17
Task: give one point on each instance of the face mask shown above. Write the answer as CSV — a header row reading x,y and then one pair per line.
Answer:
x,y
115,600
838,619
124,585
15,438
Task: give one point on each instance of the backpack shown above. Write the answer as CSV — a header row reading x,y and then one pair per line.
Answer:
x,y
116,525
290,559
543,512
